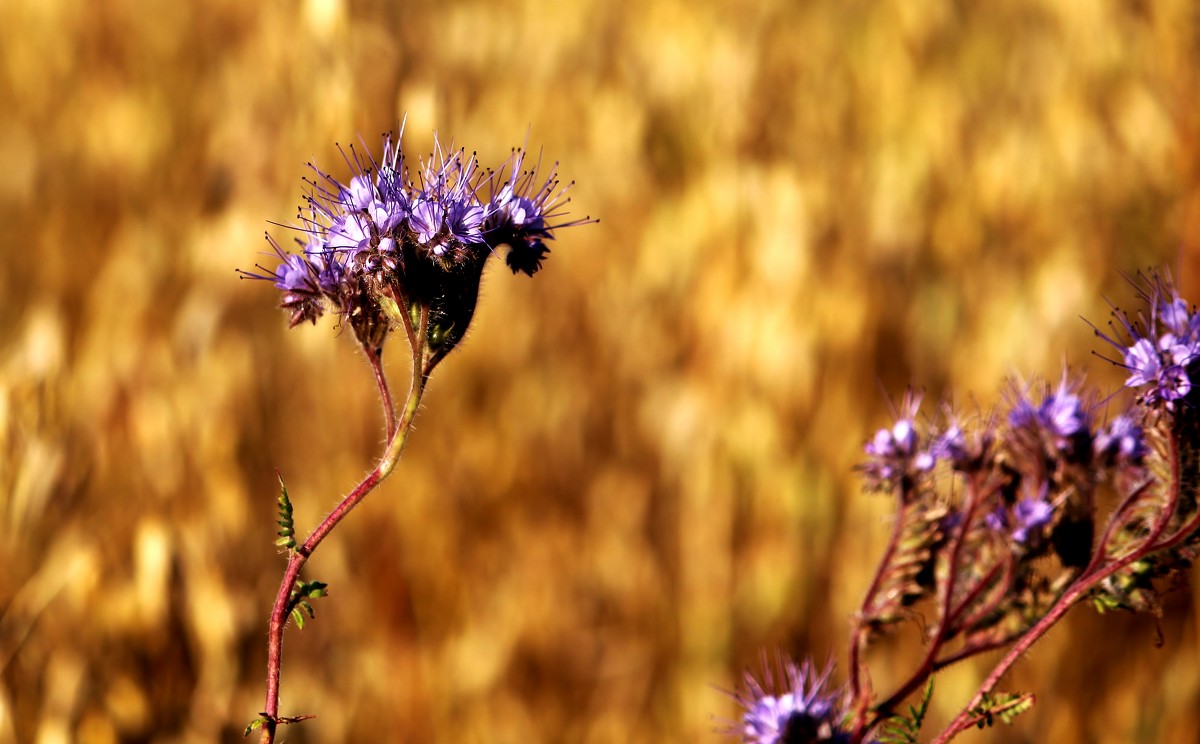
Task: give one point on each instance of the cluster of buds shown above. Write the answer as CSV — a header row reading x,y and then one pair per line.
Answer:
x,y
1000,523
396,241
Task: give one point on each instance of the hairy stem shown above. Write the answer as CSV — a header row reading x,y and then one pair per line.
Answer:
x,y
385,393
861,698
397,437
948,614
1079,589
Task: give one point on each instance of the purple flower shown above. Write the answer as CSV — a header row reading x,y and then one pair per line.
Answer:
x,y
360,193
1163,368
1176,317
523,213
1121,442
895,452
426,221
391,237
296,275
790,704
465,221
1161,346
1025,523
1030,516
1061,414
1060,424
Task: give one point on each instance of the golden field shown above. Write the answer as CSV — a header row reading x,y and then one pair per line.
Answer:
x,y
637,471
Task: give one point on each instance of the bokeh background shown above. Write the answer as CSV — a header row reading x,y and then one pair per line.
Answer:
x,y
637,472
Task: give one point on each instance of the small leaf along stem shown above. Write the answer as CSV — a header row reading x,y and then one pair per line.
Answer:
x,y
398,432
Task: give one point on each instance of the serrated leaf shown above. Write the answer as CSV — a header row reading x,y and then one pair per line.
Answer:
x,y
287,529
298,618
903,730
1005,705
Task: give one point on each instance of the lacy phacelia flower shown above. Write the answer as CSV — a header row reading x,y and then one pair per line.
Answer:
x,y
1163,342
1122,442
896,452
795,708
395,240
1061,422
1026,522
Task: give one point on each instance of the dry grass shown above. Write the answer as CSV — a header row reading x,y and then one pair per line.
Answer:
x,y
638,469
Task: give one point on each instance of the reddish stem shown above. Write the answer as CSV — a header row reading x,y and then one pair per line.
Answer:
x,y
397,437
948,613
858,637
1086,581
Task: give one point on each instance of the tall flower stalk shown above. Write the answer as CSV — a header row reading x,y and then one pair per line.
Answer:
x,y
1000,526
398,250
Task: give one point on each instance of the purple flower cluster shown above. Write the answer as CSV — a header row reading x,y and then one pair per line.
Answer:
x,y
795,708
897,452
1060,426
1162,345
395,240
1026,522
997,530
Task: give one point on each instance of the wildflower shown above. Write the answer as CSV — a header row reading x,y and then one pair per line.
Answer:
x,y
1025,522
895,453
965,451
393,241
1122,442
1161,367
521,208
1030,517
1060,422
1160,345
795,708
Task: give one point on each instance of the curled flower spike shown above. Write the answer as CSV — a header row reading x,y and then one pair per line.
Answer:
x,y
790,705
393,241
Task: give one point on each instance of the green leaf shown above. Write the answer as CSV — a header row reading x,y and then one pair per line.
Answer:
x,y
298,617
256,723
287,529
1005,705
903,730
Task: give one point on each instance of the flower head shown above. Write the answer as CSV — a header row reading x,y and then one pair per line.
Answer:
x,y
1122,442
1159,344
524,210
394,241
898,451
1059,425
790,705
1025,522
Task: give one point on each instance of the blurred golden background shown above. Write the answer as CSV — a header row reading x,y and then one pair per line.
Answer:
x,y
637,471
